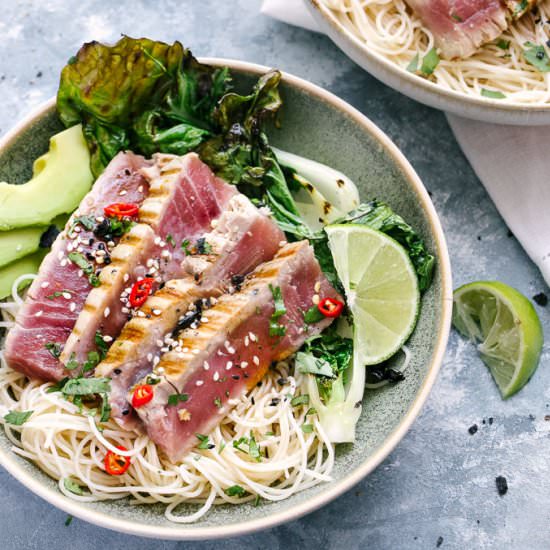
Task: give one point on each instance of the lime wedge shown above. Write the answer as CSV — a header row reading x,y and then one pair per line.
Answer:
x,y
506,327
381,289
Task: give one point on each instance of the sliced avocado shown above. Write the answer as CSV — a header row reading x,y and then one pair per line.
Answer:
x,y
60,180
17,243
10,272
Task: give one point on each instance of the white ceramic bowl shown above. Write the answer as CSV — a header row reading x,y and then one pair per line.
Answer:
x,y
478,108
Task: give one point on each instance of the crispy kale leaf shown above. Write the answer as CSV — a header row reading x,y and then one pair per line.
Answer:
x,y
139,94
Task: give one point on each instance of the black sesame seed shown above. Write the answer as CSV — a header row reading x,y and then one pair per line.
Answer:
x,y
252,400
491,419
274,402
472,429
117,371
541,299
235,377
439,542
282,381
125,412
502,485
245,374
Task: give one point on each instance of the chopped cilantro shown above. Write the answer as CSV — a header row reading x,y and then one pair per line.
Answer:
x,y
170,240
78,259
307,428
17,418
105,408
72,486
257,500
253,449
57,294
235,491
102,346
203,247
457,17
520,8
72,363
185,247
87,222
218,402
68,521
300,400
313,315
176,398
503,44
204,442
536,55
311,410
54,348
86,386
275,328
412,67
492,94
222,447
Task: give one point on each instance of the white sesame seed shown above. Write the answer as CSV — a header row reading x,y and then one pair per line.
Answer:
x,y
160,370
149,357
253,337
123,192
204,319
185,350
38,313
199,383
63,263
206,365
45,284
282,243
70,247
141,313
140,188
99,219
214,223
220,352
107,338
110,244
159,343
107,312
72,306
166,254
315,299
157,240
233,402
244,364
80,272
256,360
246,341
196,351
229,365
156,361
317,286
216,376
156,312
125,310
77,229
100,259
126,277
67,295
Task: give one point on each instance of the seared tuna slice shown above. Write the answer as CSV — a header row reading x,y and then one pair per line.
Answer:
x,y
460,27
232,348
243,238
68,273
169,215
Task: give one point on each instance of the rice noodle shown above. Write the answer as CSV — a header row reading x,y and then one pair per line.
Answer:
x,y
390,29
64,443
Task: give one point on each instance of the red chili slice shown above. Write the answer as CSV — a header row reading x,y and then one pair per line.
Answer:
x,y
142,395
140,291
116,464
330,307
121,210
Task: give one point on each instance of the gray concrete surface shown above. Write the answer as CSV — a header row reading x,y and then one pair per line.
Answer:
x,y
440,481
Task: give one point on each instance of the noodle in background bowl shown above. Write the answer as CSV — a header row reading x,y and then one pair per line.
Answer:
x,y
531,110
318,125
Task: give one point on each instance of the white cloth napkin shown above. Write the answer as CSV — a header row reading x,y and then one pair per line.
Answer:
x,y
511,161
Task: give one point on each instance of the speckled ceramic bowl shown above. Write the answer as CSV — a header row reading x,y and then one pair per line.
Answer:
x,y
315,124
499,111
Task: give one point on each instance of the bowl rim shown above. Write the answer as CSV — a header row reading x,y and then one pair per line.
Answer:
x,y
183,531
414,81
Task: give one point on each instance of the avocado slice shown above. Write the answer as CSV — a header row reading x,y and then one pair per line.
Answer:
x,y
60,180
10,272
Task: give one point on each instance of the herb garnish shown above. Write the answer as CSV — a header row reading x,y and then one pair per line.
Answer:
x,y
88,222
54,348
313,315
536,55
300,400
428,65
492,94
17,418
203,247
72,363
78,259
86,386
68,521
218,402
307,428
520,8
276,329
204,442
176,398
235,491
170,240
72,486
185,247
250,442
503,44
57,294
102,346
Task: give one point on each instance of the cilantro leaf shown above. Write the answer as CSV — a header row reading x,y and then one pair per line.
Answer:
x,y
235,491
72,486
313,315
300,400
275,328
536,55
430,62
176,398
307,428
204,442
54,348
492,94
17,418
86,386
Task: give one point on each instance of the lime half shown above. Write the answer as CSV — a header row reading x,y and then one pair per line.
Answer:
x,y
506,327
381,289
